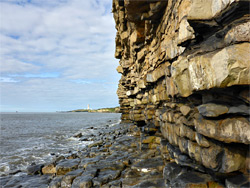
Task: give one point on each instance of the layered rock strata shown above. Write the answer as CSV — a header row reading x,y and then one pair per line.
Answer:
x,y
185,70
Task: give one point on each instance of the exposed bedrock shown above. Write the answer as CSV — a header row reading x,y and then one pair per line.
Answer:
x,y
185,70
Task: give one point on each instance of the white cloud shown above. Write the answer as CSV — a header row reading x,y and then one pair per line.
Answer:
x,y
73,38
11,65
6,79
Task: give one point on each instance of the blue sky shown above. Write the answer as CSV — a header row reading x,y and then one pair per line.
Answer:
x,y
57,55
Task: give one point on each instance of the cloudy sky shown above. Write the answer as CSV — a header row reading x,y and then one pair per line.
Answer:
x,y
57,55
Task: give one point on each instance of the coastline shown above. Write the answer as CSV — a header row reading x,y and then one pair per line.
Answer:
x,y
100,110
114,158
119,155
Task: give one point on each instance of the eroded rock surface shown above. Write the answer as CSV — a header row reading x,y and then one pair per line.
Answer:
x,y
185,71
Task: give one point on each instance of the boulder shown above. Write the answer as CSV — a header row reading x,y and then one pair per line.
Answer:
x,y
35,169
49,169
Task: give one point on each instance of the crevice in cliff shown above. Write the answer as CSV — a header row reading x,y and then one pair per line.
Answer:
x,y
210,34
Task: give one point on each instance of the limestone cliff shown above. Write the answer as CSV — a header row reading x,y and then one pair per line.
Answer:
x,y
185,71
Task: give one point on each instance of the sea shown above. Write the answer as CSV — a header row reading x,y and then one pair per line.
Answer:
x,y
36,138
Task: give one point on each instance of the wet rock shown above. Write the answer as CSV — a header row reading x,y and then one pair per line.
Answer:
x,y
66,166
79,135
4,180
37,182
157,183
97,143
135,178
173,170
15,181
85,138
190,179
104,165
55,183
59,158
184,160
72,156
106,176
84,181
114,184
146,165
69,177
87,161
28,181
130,173
35,169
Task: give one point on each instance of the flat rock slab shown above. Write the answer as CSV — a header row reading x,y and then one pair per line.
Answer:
x,y
106,176
28,181
87,161
66,166
84,181
4,180
56,182
158,183
69,177
149,164
141,179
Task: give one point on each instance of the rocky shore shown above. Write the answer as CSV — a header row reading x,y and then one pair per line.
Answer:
x,y
123,155
118,157
184,99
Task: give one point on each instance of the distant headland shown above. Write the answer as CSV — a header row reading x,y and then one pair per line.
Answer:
x,y
100,110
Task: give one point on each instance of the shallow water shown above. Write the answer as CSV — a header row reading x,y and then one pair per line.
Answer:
x,y
36,137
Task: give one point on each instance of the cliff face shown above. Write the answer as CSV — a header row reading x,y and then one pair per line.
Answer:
x,y
185,70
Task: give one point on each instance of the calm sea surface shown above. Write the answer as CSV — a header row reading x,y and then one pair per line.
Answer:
x,y
37,137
